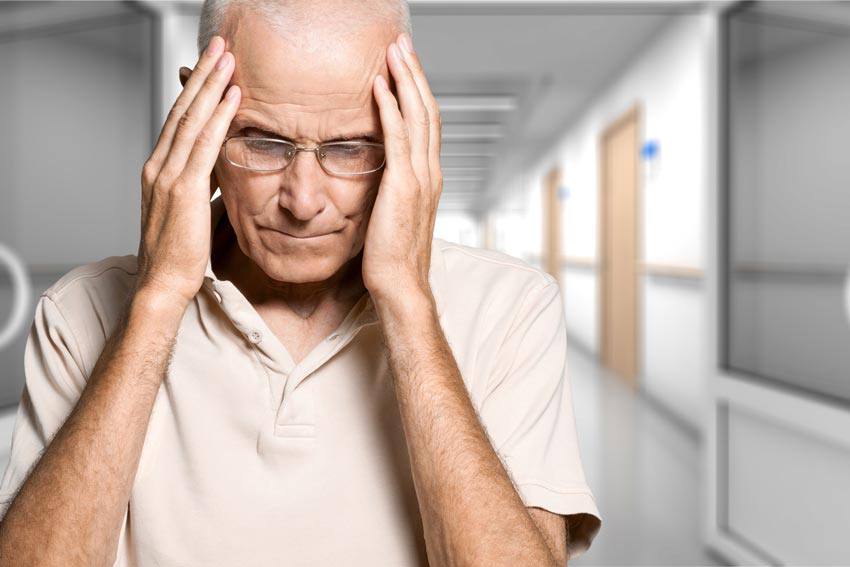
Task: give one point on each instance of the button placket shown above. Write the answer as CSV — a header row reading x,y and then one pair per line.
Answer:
x,y
333,347
303,397
292,414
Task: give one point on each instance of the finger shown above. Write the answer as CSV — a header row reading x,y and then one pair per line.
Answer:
x,y
184,74
205,65
396,139
413,111
213,182
208,142
434,120
196,117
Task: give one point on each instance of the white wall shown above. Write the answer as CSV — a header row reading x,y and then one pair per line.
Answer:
x,y
458,226
516,222
670,80
179,47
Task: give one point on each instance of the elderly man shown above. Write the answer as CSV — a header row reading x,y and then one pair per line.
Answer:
x,y
297,373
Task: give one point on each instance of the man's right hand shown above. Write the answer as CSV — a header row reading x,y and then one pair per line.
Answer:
x,y
177,181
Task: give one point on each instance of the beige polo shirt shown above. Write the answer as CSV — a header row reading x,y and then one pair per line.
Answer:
x,y
253,460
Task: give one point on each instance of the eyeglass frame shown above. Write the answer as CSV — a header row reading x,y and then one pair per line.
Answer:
x,y
299,148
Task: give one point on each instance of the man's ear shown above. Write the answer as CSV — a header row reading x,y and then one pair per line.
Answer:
x,y
184,73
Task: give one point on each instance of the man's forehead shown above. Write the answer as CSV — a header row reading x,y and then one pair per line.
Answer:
x,y
318,63
320,90
295,113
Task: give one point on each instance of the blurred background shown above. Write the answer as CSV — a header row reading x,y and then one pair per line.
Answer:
x,y
682,168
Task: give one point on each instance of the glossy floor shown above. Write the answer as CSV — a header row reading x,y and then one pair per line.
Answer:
x,y
644,470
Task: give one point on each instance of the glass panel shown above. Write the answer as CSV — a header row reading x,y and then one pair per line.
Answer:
x,y
789,195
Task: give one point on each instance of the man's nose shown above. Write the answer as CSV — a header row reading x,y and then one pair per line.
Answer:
x,y
303,183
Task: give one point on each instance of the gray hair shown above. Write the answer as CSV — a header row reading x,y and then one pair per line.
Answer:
x,y
277,12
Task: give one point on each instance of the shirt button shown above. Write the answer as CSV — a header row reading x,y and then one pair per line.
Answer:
x,y
333,337
217,296
255,336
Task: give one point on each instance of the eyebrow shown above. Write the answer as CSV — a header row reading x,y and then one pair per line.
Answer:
x,y
240,125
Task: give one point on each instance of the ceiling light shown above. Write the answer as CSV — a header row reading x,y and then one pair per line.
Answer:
x,y
471,132
476,103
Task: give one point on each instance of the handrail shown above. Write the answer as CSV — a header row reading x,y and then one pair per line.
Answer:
x,y
647,268
789,270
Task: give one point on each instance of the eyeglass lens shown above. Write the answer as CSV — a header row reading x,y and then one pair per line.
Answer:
x,y
267,155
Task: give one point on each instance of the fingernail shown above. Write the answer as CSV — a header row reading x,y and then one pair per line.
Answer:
x,y
395,51
406,43
215,45
222,62
232,92
382,82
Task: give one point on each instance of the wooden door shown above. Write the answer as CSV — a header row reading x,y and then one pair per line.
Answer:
x,y
619,246
552,224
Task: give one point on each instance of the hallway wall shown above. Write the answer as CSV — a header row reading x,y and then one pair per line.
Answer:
x,y
670,79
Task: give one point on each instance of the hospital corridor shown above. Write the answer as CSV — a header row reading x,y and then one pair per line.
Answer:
x,y
679,169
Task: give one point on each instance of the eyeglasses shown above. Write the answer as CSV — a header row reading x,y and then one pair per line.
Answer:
x,y
272,154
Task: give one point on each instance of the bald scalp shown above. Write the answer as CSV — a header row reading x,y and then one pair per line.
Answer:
x,y
304,22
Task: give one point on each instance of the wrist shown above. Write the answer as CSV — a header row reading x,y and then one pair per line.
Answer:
x,y
157,304
403,308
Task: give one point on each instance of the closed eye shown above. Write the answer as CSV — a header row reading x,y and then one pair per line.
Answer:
x,y
254,131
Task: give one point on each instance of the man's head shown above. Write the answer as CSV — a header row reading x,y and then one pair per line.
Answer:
x,y
305,69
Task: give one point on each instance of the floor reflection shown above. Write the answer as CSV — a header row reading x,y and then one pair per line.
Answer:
x,y
644,470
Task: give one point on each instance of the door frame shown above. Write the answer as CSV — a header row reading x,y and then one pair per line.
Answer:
x,y
552,223
633,114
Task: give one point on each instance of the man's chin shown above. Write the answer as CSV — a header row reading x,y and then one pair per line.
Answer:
x,y
303,270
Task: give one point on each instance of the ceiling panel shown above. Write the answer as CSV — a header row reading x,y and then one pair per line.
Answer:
x,y
510,76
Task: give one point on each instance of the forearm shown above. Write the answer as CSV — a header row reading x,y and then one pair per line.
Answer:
x,y
471,512
69,510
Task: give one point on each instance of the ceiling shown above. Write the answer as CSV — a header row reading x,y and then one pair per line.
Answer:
x,y
777,29
510,77
22,17
76,22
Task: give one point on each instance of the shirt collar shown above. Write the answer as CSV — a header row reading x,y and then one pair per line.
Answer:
x,y
436,276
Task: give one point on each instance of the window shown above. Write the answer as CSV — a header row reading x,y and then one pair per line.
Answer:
x,y
787,195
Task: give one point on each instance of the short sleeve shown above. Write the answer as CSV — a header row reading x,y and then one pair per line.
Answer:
x,y
528,413
53,382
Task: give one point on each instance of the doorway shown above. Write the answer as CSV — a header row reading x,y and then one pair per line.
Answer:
x,y
619,239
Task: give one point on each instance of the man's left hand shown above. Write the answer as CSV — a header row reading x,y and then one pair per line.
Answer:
x,y
397,251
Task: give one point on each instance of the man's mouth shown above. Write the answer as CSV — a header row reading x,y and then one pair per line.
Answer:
x,y
304,236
